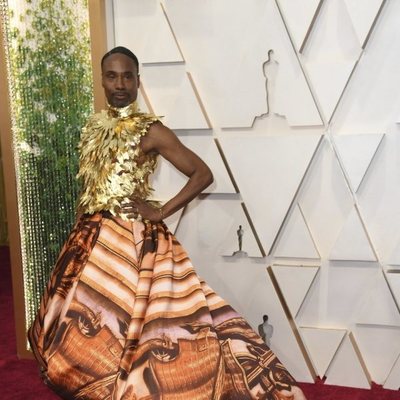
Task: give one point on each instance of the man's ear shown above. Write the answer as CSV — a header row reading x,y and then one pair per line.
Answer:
x,y
138,79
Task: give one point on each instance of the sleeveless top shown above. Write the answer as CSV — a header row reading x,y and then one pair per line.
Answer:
x,y
112,166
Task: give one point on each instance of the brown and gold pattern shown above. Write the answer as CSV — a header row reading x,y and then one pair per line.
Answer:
x,y
136,322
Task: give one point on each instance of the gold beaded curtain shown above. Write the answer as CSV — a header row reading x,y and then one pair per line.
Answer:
x,y
47,47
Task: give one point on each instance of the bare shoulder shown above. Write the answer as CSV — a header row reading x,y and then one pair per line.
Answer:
x,y
161,140
158,137
158,130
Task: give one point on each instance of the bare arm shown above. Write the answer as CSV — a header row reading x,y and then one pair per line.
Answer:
x,y
163,141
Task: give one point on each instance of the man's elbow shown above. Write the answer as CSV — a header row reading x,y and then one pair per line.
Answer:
x,y
211,178
208,178
203,177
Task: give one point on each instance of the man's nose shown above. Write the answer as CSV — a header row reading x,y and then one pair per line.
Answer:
x,y
120,84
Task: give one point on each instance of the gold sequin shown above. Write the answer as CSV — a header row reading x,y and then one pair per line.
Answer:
x,y
112,166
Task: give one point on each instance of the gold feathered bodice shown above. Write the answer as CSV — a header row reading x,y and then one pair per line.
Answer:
x,y
112,165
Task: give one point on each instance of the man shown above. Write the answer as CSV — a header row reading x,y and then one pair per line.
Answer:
x,y
121,80
125,315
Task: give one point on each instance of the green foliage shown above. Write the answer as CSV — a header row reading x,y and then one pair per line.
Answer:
x,y
52,97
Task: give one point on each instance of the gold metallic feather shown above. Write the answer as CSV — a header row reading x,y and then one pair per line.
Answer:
x,y
112,166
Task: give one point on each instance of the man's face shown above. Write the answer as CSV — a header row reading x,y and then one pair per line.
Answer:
x,y
120,80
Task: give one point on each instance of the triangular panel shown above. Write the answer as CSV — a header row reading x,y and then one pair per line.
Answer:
x,y
284,159
145,20
365,106
215,70
215,222
325,199
294,283
331,53
363,14
322,345
295,240
394,258
299,16
171,94
378,305
346,369
329,78
379,346
352,243
356,153
393,380
393,279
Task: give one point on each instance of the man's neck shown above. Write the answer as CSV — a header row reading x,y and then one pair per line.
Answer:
x,y
123,112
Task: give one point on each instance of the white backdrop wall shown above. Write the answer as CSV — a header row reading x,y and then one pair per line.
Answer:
x,y
295,106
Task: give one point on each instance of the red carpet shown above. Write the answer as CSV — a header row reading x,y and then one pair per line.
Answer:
x,y
19,379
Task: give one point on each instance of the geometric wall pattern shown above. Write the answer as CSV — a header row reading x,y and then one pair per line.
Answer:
x,y
299,114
